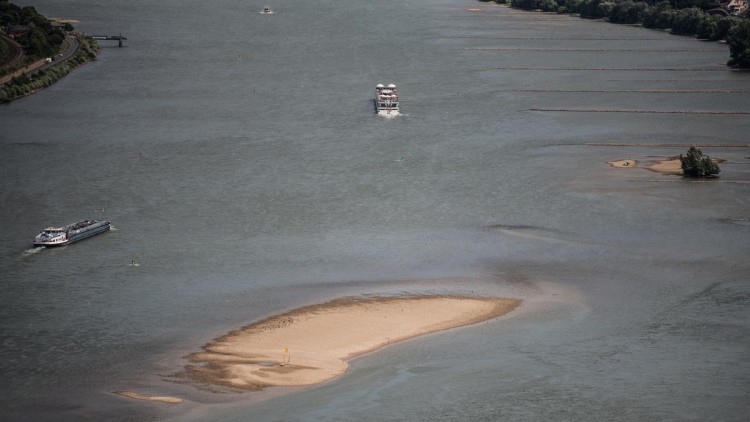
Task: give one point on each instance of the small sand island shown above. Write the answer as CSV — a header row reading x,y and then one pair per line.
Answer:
x,y
311,345
668,166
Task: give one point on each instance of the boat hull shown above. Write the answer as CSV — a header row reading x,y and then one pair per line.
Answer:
x,y
75,235
388,113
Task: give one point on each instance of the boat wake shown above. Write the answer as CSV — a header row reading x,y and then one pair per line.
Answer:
x,y
34,250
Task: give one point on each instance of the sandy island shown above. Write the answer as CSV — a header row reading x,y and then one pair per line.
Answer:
x,y
310,345
669,166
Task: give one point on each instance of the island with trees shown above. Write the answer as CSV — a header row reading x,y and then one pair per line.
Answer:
x,y
692,165
695,164
715,20
36,51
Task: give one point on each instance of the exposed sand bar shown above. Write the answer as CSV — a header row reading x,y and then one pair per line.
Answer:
x,y
310,345
670,166
162,399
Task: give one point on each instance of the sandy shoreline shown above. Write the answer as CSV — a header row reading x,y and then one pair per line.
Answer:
x,y
311,345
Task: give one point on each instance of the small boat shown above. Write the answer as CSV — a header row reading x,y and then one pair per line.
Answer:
x,y
58,236
266,10
386,100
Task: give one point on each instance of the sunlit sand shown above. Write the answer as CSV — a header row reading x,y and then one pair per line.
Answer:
x,y
311,345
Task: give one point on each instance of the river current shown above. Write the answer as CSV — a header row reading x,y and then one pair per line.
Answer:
x,y
245,173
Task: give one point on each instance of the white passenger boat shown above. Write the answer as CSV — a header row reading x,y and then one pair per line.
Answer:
x,y
266,10
58,236
386,100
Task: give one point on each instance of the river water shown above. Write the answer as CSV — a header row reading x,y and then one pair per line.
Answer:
x,y
244,171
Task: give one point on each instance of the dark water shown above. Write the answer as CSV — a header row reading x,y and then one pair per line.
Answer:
x,y
241,163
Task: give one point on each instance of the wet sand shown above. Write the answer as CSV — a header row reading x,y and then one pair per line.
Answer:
x,y
311,345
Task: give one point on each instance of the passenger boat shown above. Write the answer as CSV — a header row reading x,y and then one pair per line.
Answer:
x,y
58,236
386,100
266,10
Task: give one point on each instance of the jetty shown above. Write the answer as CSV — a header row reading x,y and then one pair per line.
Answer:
x,y
118,38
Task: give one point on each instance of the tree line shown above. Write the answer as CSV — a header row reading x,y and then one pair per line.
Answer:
x,y
682,17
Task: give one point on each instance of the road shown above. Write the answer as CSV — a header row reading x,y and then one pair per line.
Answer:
x,y
71,46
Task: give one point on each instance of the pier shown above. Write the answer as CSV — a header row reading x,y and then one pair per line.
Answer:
x,y
118,38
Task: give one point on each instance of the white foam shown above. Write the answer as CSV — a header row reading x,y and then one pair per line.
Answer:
x,y
34,250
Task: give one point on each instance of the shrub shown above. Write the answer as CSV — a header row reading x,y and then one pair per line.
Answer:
x,y
548,5
686,21
604,8
695,164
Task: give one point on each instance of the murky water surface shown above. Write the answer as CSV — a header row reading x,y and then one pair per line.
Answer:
x,y
240,161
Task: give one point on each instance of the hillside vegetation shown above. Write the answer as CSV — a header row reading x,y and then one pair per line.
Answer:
x,y
38,36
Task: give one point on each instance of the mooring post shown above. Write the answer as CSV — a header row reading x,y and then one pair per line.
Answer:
x,y
119,41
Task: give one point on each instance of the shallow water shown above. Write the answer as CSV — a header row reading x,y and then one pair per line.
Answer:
x,y
241,163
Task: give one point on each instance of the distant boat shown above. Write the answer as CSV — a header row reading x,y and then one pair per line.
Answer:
x,y
58,236
266,10
386,100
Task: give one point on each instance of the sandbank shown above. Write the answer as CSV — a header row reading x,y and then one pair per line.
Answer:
x,y
163,399
669,166
623,163
311,345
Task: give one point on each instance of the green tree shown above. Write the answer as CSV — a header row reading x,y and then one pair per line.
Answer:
x,y
654,16
738,40
548,5
37,44
628,12
604,8
695,164
708,26
525,4
587,8
686,21
723,26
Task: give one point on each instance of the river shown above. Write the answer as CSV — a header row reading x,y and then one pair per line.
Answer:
x,y
244,171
